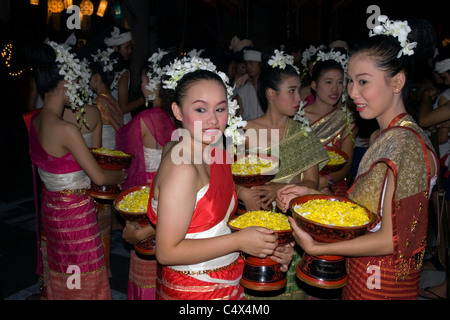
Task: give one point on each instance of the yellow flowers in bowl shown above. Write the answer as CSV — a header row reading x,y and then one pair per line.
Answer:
x,y
334,213
267,219
136,201
252,165
335,158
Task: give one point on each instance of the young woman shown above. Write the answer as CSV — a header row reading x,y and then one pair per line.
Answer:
x,y
193,196
394,178
279,95
120,40
76,264
145,136
103,69
333,124
301,154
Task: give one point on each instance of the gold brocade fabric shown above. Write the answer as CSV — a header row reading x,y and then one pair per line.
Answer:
x,y
298,152
402,149
333,128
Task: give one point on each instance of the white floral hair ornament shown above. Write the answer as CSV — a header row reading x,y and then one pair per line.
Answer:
x,y
300,116
76,74
154,74
337,56
309,53
397,29
193,62
103,58
281,60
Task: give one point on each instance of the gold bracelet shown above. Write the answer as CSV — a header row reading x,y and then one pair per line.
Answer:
x,y
239,190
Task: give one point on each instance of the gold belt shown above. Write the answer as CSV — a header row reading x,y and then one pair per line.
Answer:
x,y
77,192
194,273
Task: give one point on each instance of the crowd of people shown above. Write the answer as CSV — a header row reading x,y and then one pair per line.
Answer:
x,y
190,101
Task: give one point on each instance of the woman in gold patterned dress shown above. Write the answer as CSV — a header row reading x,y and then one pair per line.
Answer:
x,y
331,120
394,178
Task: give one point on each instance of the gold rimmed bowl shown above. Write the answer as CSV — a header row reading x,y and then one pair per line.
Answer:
x,y
254,169
327,271
132,206
110,160
263,274
338,159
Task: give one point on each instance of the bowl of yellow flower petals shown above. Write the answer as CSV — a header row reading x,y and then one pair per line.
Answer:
x,y
132,203
132,206
338,159
328,218
112,159
263,274
254,169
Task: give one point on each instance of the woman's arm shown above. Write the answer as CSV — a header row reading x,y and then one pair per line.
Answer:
x,y
429,117
122,96
348,146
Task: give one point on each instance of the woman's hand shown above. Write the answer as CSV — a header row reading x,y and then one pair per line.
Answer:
x,y
267,194
303,239
252,201
258,241
283,255
134,233
286,193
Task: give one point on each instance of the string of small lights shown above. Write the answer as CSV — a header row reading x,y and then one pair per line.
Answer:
x,y
6,54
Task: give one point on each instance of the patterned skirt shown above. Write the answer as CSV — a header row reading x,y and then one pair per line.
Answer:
x,y
76,265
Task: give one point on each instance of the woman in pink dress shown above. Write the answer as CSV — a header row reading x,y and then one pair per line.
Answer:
x,y
76,264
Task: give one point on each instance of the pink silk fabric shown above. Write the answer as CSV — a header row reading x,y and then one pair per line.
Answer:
x,y
70,225
142,274
129,139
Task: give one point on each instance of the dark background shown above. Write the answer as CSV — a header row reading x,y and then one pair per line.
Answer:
x,y
178,24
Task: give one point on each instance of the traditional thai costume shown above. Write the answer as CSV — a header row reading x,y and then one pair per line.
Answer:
x,y
217,278
142,274
76,264
332,129
401,148
298,152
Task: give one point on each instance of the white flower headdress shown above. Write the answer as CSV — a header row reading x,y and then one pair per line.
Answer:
x,y
281,60
397,29
300,116
77,78
337,56
193,62
103,58
309,53
154,74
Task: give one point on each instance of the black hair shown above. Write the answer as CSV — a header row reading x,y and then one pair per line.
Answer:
x,y
384,50
190,78
42,59
108,76
272,78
